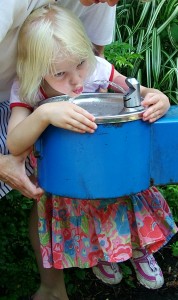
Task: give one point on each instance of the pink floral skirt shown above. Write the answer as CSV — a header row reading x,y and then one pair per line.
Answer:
x,y
78,233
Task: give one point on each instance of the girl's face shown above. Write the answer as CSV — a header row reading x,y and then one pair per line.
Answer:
x,y
69,77
90,2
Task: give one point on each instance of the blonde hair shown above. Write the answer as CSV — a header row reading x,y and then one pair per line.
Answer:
x,y
50,33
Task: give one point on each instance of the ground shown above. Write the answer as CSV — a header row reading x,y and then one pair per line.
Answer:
x,y
91,288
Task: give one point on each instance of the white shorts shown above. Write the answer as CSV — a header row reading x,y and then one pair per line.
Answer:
x,y
4,118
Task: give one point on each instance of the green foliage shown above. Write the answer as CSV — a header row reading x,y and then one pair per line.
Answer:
x,y
170,193
72,278
127,275
8,297
121,55
174,248
17,262
150,30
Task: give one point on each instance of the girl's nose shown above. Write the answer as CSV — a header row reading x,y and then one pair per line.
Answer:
x,y
75,77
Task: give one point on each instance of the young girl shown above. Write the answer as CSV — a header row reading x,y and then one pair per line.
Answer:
x,y
55,57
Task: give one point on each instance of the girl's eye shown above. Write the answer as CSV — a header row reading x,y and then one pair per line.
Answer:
x,y
81,63
60,74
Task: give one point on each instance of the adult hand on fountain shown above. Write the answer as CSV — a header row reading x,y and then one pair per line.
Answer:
x,y
156,104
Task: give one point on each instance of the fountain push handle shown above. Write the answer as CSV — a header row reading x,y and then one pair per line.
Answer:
x,y
132,98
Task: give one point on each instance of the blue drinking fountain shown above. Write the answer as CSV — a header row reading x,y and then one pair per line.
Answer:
x,y
124,156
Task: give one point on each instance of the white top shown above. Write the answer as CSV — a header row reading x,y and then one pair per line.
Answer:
x,y
99,79
98,20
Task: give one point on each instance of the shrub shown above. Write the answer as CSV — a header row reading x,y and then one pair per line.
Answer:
x,y
146,44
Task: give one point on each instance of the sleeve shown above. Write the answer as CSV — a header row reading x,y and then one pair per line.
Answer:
x,y
99,21
99,79
14,97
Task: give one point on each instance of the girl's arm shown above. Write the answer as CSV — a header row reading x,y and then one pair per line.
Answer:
x,y
25,128
155,102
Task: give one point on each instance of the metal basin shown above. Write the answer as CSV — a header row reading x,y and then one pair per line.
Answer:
x,y
106,107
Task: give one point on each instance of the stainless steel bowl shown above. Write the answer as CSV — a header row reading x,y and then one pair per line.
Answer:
x,y
106,107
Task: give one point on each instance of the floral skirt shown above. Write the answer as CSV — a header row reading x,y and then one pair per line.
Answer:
x,y
78,233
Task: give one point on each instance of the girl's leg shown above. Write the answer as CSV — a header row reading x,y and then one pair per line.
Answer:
x,y
52,285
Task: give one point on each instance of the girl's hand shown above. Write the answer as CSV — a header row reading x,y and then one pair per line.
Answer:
x,y
157,105
69,116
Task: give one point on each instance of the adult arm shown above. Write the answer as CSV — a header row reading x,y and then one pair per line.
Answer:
x,y
98,50
99,22
6,17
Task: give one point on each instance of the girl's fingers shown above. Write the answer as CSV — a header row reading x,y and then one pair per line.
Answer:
x,y
81,124
72,117
156,106
152,116
151,111
82,120
84,113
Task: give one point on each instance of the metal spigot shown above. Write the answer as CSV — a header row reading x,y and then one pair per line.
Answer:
x,y
132,98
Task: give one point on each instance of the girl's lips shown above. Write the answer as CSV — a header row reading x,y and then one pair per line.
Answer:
x,y
78,91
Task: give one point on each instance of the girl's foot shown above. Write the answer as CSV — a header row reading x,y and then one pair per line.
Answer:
x,y
147,270
46,294
44,297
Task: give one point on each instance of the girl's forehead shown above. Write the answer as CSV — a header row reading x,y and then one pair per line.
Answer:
x,y
65,63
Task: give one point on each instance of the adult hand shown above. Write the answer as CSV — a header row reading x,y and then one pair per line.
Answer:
x,y
12,172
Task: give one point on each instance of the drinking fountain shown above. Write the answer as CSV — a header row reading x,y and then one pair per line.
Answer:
x,y
124,156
